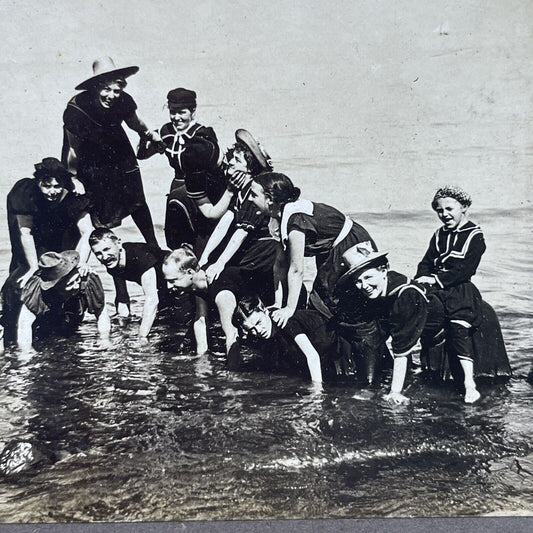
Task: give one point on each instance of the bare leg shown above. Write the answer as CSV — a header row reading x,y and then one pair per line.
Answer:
x,y
471,392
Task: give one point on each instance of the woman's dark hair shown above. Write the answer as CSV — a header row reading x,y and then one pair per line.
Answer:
x,y
254,166
51,168
245,307
278,187
104,82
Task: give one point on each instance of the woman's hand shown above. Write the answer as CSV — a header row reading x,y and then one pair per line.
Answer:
x,y
24,279
237,180
397,398
281,316
79,188
84,269
213,271
154,137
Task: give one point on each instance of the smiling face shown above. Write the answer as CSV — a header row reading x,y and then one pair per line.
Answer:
x,y
181,117
51,189
107,251
263,202
237,163
450,212
372,282
178,280
109,93
258,324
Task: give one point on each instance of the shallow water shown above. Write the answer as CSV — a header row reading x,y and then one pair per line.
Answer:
x,y
161,434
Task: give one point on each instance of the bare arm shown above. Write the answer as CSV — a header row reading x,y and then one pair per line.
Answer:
x,y
399,370
135,123
234,244
313,359
295,275
72,162
72,158
151,301
217,236
215,211
85,226
24,329
28,245
200,326
104,328
281,267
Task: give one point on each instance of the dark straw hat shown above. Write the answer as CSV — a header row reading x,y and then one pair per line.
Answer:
x,y
359,258
245,137
50,167
53,267
182,97
104,68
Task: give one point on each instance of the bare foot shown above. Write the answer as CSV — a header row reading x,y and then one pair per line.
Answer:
x,y
472,395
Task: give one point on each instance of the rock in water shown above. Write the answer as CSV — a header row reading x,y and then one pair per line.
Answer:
x,y
18,457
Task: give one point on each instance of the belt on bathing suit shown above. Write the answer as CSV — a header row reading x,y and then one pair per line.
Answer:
x,y
348,225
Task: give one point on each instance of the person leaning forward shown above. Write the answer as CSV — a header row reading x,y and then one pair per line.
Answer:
x,y
57,296
132,261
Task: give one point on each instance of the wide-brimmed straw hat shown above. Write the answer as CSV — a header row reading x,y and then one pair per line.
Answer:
x,y
103,68
54,266
245,137
359,258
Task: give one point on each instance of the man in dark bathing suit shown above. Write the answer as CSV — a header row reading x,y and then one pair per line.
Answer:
x,y
132,261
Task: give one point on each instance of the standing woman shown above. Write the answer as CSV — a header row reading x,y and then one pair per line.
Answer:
x,y
199,193
98,152
306,229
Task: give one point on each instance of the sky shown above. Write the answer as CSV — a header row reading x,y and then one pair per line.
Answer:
x,y
366,105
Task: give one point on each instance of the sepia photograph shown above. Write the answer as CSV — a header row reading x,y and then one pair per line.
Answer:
x,y
266,265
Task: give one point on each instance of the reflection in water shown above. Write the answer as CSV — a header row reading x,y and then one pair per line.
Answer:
x,y
160,434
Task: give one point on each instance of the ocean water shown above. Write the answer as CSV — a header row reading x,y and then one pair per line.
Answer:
x,y
161,434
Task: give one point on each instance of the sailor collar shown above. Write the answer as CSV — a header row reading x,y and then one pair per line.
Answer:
x,y
466,226
190,132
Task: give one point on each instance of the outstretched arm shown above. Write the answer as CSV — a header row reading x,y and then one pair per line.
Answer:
x,y
104,329
217,236
85,226
399,370
234,244
151,301
135,123
295,275
215,211
313,359
72,161
25,224
200,326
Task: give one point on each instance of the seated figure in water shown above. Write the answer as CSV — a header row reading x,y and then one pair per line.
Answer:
x,y
132,261
56,298
405,311
453,255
